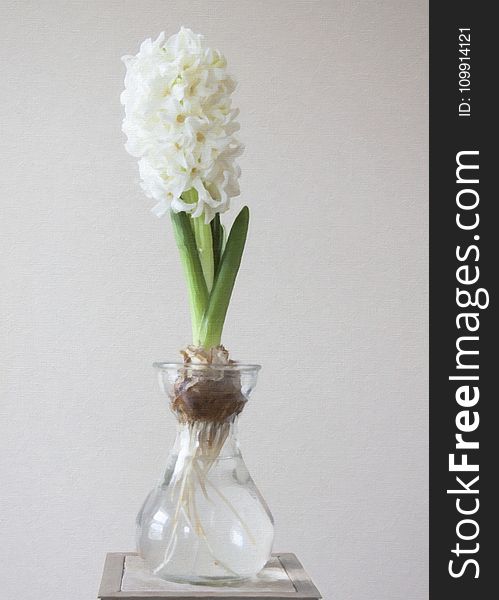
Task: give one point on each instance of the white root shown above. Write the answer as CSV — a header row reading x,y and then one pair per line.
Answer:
x,y
206,440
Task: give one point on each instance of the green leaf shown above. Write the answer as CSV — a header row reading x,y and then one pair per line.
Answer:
x,y
217,235
193,271
210,332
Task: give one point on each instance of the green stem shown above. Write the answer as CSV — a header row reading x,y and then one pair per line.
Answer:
x,y
204,243
210,331
193,271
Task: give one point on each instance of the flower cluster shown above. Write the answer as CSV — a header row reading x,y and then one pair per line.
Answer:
x,y
180,124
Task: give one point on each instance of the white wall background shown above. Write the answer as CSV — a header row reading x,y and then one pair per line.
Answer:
x,y
332,297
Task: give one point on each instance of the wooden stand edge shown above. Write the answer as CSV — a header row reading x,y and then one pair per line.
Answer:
x,y
110,587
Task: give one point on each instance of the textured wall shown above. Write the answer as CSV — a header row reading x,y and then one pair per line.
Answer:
x,y
332,297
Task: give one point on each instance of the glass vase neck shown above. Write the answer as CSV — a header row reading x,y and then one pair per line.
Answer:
x,y
207,441
207,393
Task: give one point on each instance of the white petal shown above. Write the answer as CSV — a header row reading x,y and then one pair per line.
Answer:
x,y
180,124
160,208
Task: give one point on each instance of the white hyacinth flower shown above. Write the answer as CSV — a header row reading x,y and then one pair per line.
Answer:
x,y
180,124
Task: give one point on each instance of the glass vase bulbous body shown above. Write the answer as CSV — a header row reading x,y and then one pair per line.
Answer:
x,y
206,521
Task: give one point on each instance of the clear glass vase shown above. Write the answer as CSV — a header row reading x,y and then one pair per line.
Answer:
x,y
206,521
